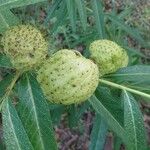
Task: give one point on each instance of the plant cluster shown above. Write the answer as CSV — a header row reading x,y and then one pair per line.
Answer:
x,y
66,72
42,80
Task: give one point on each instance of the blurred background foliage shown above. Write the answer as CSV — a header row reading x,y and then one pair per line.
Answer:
x,y
74,24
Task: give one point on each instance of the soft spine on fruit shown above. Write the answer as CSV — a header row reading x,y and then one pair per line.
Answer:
x,y
67,77
25,46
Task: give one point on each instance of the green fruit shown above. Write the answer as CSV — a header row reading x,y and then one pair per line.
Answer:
x,y
68,77
108,55
25,46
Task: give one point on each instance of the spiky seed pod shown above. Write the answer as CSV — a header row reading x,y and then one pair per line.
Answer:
x,y
108,55
25,46
68,77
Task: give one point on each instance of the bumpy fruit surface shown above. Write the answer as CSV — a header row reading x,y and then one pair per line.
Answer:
x,y
67,77
108,55
25,46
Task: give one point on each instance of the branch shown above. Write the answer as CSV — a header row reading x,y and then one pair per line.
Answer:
x,y
9,89
124,88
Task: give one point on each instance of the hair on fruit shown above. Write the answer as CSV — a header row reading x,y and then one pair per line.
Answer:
x,y
67,77
108,55
25,46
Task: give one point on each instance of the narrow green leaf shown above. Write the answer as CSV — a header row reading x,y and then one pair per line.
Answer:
x,y
4,61
72,13
2,146
131,31
117,143
99,17
82,108
51,11
138,74
99,133
108,117
72,116
82,13
4,84
14,134
136,52
56,113
61,16
34,113
17,3
136,71
126,12
111,102
75,113
134,124
7,19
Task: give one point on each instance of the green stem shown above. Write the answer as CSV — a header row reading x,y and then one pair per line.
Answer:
x,y
124,88
9,89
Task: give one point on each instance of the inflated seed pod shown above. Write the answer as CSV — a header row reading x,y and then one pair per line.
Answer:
x,y
25,46
108,55
68,77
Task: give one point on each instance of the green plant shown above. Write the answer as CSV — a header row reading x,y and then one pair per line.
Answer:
x,y
28,118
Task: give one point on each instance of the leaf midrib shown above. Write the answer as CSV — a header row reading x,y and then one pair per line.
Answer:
x,y
114,119
10,2
133,121
35,111
13,129
121,128
147,74
4,20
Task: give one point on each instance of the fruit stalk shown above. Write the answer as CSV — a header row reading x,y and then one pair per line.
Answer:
x,y
124,88
9,89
